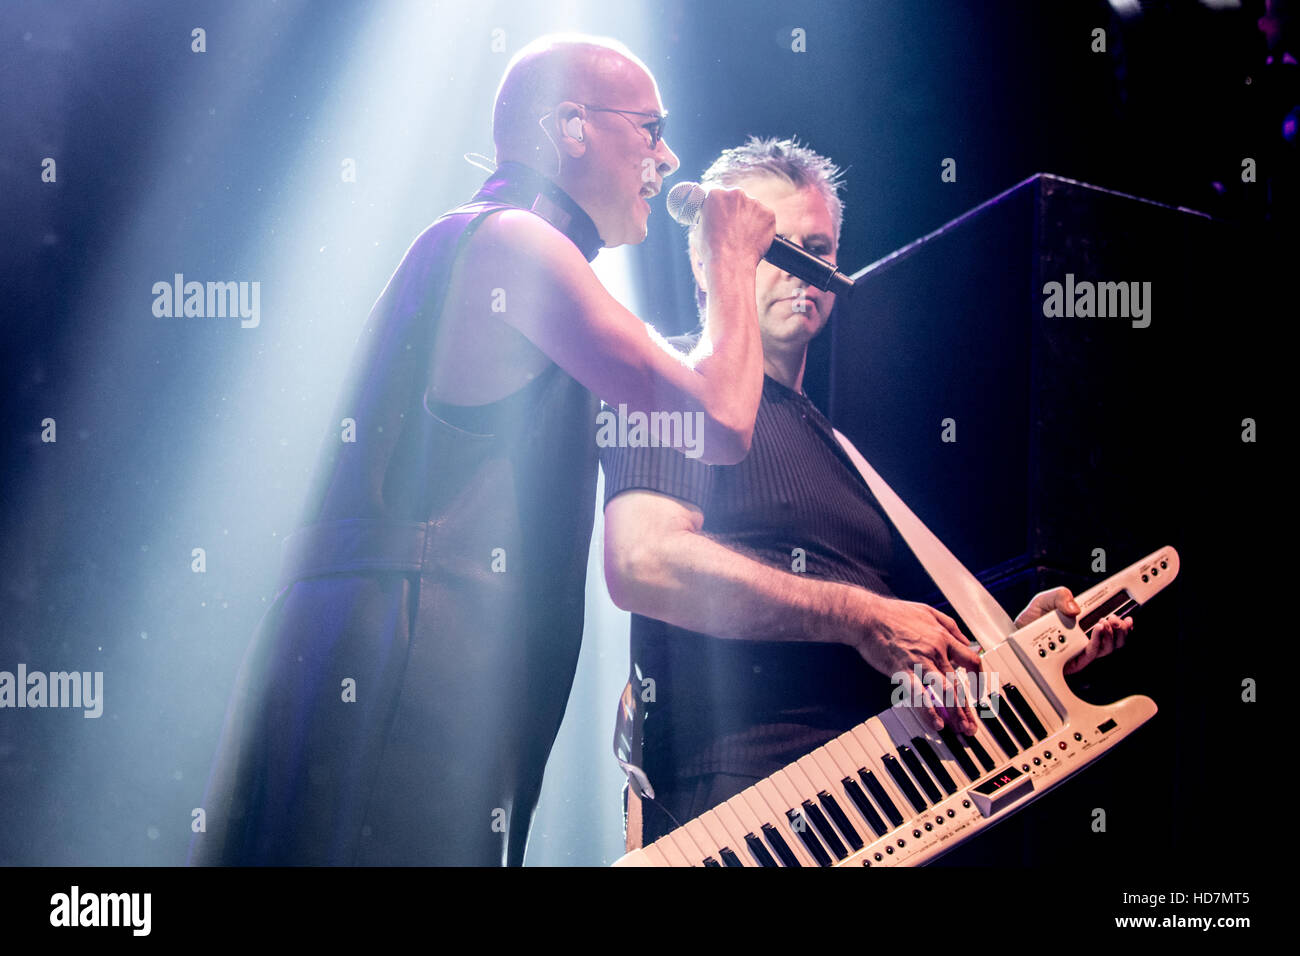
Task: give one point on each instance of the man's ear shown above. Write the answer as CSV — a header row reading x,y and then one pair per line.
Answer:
x,y
568,128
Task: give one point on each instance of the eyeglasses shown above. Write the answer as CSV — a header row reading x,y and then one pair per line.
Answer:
x,y
655,127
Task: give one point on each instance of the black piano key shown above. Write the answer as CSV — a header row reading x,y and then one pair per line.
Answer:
x,y
904,783
1008,716
814,813
932,761
958,750
782,848
729,858
994,726
803,830
980,753
864,806
1026,712
758,850
710,861
882,797
914,765
841,820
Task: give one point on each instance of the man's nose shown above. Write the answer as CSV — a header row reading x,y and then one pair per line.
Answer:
x,y
668,162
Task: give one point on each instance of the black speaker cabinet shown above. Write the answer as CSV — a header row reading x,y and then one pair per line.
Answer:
x,y
1058,382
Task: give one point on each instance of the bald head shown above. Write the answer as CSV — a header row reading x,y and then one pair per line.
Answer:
x,y
551,69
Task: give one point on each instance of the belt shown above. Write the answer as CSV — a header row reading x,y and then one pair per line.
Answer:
x,y
353,544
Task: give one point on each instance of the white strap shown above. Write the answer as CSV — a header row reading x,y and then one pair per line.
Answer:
x,y
985,617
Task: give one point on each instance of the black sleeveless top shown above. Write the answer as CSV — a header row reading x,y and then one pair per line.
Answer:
x,y
489,509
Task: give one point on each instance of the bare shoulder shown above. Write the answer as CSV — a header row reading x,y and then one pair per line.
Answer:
x,y
519,236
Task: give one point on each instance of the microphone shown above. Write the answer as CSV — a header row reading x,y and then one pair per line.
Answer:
x,y
684,203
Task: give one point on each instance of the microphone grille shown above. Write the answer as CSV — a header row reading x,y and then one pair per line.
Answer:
x,y
684,202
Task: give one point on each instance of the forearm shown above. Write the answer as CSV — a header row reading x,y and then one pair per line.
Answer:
x,y
729,357
693,582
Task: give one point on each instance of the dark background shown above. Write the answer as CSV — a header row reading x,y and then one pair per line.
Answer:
x,y
175,434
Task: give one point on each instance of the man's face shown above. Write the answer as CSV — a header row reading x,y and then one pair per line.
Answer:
x,y
621,173
791,312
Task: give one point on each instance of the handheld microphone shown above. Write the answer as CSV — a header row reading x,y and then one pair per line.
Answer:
x,y
684,203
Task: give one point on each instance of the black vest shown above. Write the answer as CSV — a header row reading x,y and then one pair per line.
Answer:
x,y
443,570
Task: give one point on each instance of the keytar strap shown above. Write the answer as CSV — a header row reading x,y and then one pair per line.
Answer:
x,y
985,617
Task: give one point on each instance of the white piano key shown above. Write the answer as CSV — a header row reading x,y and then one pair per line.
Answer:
x,y
954,767
795,793
913,723
656,856
735,834
817,779
985,740
880,734
901,735
830,774
886,742
702,839
667,845
685,846
848,767
723,835
965,698
844,752
831,771
867,751
988,742
1012,671
736,831
844,764
765,813
992,748
808,777
971,695
1000,756
745,817
777,791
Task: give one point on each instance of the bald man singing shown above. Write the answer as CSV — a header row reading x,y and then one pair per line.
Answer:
x,y
400,698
